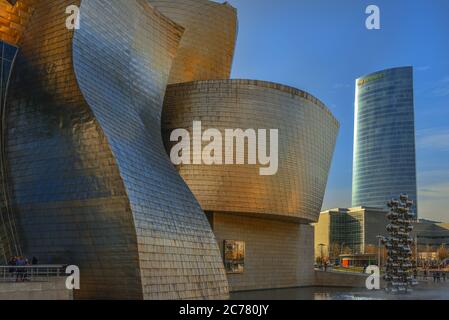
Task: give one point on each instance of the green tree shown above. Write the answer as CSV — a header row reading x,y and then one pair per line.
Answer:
x,y
442,253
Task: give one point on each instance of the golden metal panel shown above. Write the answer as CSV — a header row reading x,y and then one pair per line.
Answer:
x,y
91,183
14,18
307,137
207,46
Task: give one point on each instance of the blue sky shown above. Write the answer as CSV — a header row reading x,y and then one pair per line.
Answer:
x,y
322,46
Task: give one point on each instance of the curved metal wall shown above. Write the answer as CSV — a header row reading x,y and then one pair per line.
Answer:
x,y
14,16
91,181
384,138
207,47
307,137
9,242
178,254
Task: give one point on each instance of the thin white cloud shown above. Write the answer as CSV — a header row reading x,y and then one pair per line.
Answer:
x,y
437,191
342,86
433,201
422,68
435,139
337,198
435,176
442,89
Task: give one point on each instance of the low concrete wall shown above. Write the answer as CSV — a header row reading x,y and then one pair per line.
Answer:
x,y
340,279
53,289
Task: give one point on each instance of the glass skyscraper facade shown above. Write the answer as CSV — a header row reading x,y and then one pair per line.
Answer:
x,y
384,138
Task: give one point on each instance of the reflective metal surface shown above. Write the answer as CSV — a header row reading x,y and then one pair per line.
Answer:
x,y
384,142
91,181
9,239
307,136
14,16
207,46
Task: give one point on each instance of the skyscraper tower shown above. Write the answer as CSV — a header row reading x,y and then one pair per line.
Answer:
x,y
384,138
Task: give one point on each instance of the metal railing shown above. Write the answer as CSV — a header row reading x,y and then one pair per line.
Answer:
x,y
31,273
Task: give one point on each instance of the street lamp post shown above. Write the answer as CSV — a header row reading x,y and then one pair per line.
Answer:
x,y
341,251
379,238
416,251
321,252
441,261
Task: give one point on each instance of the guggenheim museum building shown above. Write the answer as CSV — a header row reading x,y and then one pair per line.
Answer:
x,y
86,177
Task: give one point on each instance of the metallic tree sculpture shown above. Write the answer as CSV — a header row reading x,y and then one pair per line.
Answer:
x,y
399,266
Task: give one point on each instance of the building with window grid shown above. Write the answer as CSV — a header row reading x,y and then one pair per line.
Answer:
x,y
384,138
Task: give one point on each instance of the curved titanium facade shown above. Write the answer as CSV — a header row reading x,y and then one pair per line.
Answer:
x,y
307,136
207,46
91,181
384,139
14,16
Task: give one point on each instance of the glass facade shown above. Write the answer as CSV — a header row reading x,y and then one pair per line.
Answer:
x,y
384,138
346,230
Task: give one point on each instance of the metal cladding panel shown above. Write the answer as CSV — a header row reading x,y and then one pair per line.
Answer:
x,y
122,56
307,137
66,191
91,183
384,139
14,19
207,47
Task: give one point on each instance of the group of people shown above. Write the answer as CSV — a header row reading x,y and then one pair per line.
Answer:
x,y
437,275
20,261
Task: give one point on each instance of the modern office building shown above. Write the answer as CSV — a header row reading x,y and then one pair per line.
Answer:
x,y
89,179
261,222
431,235
384,138
355,231
349,229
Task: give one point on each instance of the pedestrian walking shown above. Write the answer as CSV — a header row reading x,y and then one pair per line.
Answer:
x,y
20,263
12,262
